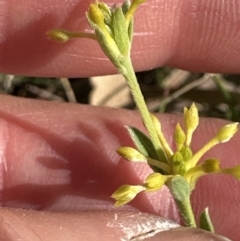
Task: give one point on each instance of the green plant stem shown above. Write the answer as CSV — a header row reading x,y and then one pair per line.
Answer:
x,y
180,190
185,208
196,157
79,34
218,82
128,72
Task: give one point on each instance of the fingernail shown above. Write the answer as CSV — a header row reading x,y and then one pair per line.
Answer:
x,y
139,226
189,234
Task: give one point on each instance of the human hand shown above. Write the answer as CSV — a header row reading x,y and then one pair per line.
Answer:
x,y
55,169
193,35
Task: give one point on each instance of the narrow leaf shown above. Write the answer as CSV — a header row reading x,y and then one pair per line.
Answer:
x,y
143,145
120,31
125,8
142,142
205,221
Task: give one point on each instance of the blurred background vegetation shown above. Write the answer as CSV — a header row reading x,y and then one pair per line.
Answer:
x,y
165,90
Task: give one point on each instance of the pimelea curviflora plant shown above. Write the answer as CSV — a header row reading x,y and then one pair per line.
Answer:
x,y
178,169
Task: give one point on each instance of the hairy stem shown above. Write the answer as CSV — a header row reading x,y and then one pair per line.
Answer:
x,y
129,74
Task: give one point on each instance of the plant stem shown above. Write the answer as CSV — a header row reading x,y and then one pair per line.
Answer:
x,y
129,74
181,192
185,208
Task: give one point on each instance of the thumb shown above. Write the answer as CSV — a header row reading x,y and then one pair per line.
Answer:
x,y
30,225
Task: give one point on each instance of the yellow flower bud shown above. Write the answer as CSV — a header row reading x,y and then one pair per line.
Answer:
x,y
210,166
134,5
58,35
62,35
126,193
177,158
207,167
106,12
227,132
154,181
131,154
191,117
179,137
96,15
186,153
191,120
233,171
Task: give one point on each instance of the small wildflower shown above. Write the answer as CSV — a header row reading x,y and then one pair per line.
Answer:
x,y
133,7
155,181
179,137
191,120
186,153
131,154
223,135
113,29
227,132
61,35
126,193
181,171
206,167
234,171
96,14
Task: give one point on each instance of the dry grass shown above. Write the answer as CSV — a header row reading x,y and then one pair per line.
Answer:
x,y
165,90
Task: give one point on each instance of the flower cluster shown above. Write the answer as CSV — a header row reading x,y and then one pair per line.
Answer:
x,y
182,163
179,169
113,29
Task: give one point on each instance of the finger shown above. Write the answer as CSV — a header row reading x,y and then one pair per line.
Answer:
x,y
198,36
183,234
19,224
63,157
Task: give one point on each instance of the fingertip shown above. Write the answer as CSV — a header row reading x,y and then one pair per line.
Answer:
x,y
195,36
29,225
189,234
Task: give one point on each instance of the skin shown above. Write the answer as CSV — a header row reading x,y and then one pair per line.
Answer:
x,y
72,167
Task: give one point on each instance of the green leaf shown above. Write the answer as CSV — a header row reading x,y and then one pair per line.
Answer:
x,y
125,8
205,221
143,145
179,188
142,142
119,29
130,32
